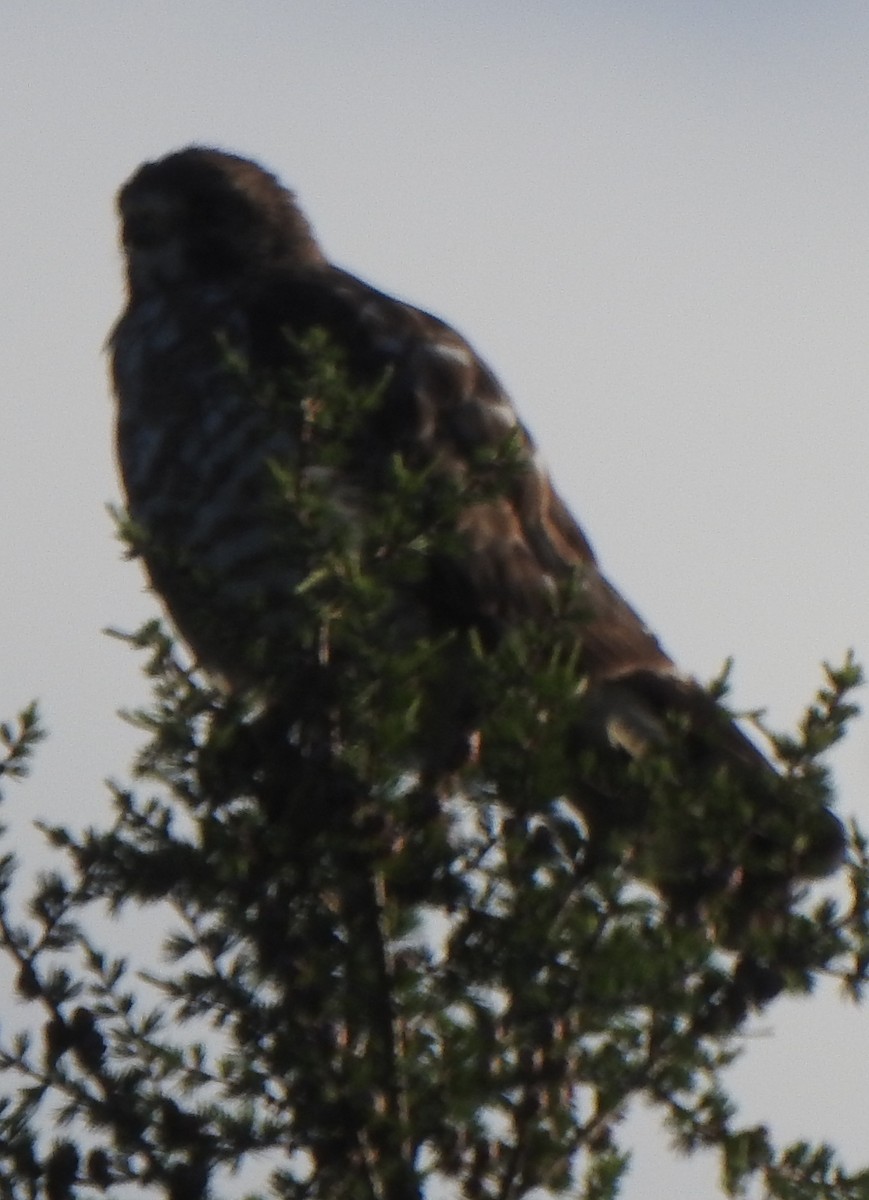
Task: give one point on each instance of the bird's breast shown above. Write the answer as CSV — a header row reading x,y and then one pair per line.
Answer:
x,y
195,446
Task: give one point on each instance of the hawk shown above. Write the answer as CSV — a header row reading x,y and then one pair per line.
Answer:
x,y
221,260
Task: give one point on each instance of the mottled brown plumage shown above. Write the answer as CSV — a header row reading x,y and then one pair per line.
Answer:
x,y
216,246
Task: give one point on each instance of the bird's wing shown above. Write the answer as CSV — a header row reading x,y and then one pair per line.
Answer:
x,y
443,404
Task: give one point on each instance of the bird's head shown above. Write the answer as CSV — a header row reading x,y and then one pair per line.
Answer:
x,y
202,216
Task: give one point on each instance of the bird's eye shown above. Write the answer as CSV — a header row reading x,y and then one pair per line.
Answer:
x,y
144,229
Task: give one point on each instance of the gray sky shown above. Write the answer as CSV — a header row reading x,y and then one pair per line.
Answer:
x,y
650,218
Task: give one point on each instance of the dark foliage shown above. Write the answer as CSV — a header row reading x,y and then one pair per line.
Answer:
x,y
401,954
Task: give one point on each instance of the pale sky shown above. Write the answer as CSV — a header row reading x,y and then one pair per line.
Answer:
x,y
652,219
